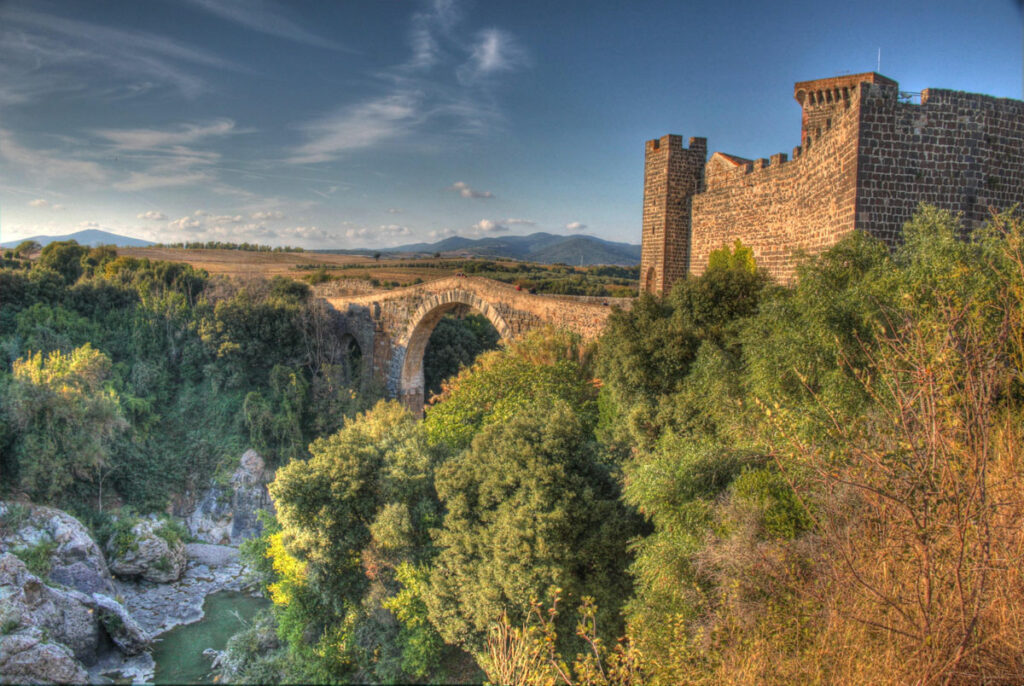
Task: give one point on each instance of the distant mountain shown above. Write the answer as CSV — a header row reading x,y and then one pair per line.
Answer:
x,y
90,237
545,248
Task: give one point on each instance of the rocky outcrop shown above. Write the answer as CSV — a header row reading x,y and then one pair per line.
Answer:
x,y
66,617
124,631
155,554
26,657
75,560
227,515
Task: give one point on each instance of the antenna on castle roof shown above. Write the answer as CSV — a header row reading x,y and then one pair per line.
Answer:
x,y
879,69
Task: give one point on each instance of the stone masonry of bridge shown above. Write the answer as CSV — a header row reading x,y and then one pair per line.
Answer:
x,y
396,325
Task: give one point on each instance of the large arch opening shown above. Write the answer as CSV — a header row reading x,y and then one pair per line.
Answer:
x,y
412,386
458,339
351,360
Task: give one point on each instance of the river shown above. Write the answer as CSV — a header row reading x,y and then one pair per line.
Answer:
x,y
179,652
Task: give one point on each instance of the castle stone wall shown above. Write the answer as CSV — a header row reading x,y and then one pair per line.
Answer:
x,y
961,152
868,158
777,206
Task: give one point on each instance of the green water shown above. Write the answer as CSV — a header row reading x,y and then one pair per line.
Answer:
x,y
179,653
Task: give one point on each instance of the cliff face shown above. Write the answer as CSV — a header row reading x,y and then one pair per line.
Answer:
x,y
56,622
228,515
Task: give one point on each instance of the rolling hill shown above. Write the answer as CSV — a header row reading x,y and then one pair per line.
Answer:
x,y
545,248
90,237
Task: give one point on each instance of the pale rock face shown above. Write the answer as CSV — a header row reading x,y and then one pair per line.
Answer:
x,y
228,516
76,562
152,558
27,658
67,617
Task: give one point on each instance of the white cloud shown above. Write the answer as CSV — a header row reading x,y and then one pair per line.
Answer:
x,y
575,226
152,215
39,202
140,181
227,219
264,215
513,221
394,210
47,163
489,226
463,189
55,53
394,230
441,233
358,126
309,233
89,225
187,224
263,17
167,140
494,51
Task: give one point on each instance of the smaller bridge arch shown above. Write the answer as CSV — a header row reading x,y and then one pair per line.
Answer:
x,y
417,335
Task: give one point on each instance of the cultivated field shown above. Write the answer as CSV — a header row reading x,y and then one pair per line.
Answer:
x,y
297,265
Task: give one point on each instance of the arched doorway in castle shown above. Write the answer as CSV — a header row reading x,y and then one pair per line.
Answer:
x,y
648,286
455,309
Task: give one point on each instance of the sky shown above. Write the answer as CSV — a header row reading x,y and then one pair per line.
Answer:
x,y
375,123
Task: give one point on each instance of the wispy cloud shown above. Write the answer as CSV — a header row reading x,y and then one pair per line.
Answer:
x,y
33,43
152,215
264,17
167,140
358,126
48,164
464,189
512,221
493,51
426,95
575,226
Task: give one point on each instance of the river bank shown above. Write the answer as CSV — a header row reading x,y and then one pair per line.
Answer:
x,y
159,608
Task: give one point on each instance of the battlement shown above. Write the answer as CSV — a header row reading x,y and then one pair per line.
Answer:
x,y
868,155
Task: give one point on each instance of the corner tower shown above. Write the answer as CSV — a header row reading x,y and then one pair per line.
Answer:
x,y
823,100
672,174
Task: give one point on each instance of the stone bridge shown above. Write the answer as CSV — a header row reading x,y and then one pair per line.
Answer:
x,y
395,325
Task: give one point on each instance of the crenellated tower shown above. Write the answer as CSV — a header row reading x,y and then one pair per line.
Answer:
x,y
672,174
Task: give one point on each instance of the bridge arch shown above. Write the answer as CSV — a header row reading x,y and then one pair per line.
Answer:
x,y
421,325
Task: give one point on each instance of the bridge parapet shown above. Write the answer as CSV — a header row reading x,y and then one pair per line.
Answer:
x,y
404,318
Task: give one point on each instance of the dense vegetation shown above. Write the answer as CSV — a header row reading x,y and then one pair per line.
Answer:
x,y
126,381
747,483
740,482
224,245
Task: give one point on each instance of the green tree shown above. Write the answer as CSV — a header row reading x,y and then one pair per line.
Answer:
x,y
546,364
351,516
528,507
67,418
63,257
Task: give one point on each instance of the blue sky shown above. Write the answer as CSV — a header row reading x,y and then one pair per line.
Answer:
x,y
377,123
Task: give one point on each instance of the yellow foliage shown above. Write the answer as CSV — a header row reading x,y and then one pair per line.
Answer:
x,y
291,571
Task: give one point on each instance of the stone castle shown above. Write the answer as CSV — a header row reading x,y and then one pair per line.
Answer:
x,y
868,155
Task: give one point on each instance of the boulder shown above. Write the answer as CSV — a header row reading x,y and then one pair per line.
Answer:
x,y
152,555
67,617
26,657
124,631
75,559
227,516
